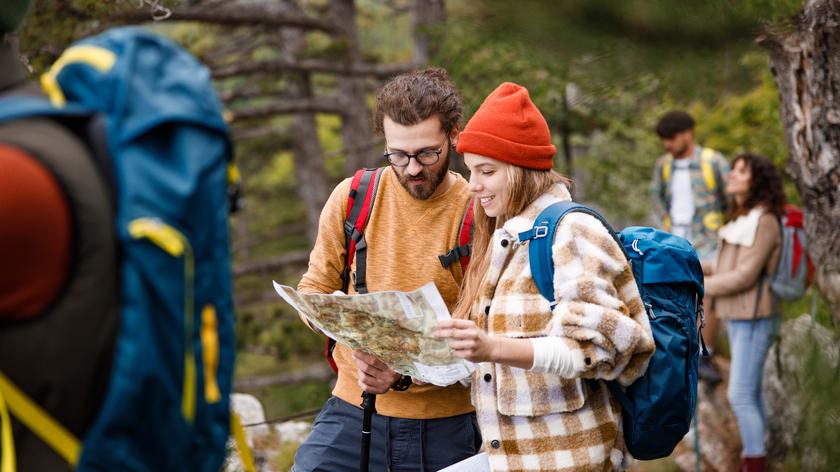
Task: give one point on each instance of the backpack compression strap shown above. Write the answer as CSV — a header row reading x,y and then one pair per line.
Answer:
x,y
62,441
359,203
541,237
464,248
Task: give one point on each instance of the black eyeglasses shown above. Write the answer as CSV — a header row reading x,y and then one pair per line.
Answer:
x,y
425,157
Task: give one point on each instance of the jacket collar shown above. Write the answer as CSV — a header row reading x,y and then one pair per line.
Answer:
x,y
525,220
742,230
693,159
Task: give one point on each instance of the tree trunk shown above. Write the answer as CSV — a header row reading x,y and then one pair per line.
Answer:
x,y
360,147
806,68
427,19
310,172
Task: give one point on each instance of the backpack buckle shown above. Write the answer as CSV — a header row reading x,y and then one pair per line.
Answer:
x,y
540,232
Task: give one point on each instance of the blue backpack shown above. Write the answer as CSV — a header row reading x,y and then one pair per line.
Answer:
x,y
162,144
658,407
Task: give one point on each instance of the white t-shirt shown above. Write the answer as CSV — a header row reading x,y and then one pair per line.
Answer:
x,y
682,197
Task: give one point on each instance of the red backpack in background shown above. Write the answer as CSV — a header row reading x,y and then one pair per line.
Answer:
x,y
795,271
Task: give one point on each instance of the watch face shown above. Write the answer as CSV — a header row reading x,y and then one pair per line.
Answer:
x,y
402,383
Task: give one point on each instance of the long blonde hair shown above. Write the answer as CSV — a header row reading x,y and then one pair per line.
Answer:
x,y
524,186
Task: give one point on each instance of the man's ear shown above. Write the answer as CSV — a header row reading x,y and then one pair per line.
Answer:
x,y
453,137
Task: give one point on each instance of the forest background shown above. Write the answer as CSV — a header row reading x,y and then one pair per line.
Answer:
x,y
299,77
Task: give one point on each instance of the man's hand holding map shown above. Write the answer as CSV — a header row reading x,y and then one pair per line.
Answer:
x,y
394,326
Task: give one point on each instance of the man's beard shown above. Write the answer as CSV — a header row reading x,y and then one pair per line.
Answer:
x,y
431,181
681,152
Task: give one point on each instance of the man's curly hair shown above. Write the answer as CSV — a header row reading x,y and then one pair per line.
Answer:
x,y
765,186
413,97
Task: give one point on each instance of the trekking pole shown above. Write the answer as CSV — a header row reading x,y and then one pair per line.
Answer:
x,y
369,407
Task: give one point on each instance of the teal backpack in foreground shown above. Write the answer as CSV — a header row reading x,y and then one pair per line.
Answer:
x,y
164,148
658,407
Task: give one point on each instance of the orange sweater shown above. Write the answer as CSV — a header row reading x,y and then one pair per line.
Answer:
x,y
404,237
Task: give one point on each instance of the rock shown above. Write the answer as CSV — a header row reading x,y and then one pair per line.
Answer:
x,y
720,443
293,431
784,392
265,441
250,411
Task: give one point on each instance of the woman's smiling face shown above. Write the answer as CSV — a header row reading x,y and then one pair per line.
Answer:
x,y
489,183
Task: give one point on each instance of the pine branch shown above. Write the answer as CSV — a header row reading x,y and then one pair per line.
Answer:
x,y
312,65
238,15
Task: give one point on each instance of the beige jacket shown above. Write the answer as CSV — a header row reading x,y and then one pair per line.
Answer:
x,y
734,280
536,421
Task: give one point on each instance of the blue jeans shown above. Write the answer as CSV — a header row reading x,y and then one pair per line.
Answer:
x,y
397,444
749,342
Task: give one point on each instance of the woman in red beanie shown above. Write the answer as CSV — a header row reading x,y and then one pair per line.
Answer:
x,y
534,410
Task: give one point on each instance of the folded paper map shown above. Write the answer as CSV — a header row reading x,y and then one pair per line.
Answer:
x,y
393,326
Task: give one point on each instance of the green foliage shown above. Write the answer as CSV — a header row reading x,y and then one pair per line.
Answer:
x,y
818,431
813,303
285,458
774,13
747,122
283,400
290,399
603,73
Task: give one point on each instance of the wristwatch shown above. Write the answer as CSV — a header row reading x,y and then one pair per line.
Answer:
x,y
402,383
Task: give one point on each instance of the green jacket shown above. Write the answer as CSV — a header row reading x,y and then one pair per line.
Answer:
x,y
709,170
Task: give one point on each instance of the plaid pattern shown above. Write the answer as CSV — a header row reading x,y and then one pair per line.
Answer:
x,y
535,421
709,205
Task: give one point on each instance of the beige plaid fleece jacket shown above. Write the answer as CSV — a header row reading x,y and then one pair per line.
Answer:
x,y
534,421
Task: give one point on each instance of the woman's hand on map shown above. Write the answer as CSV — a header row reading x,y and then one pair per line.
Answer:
x,y
374,375
472,343
466,340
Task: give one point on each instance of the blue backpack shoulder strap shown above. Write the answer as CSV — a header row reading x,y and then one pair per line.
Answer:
x,y
86,124
17,107
541,237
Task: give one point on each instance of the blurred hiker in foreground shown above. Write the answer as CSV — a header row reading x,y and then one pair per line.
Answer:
x,y
58,276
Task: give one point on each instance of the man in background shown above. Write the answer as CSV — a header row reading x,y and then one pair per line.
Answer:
x,y
688,201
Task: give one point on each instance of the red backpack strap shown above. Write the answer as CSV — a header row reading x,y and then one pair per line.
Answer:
x,y
359,203
464,248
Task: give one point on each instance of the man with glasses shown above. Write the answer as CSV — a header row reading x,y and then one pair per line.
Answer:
x,y
416,217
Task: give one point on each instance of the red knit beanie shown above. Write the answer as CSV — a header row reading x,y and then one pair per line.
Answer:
x,y
510,128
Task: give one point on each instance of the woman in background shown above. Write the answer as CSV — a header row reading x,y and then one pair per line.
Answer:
x,y
739,283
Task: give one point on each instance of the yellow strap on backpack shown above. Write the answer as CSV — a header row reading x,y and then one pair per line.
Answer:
x,y
7,443
241,442
666,169
706,166
706,158
39,422
176,244
99,58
